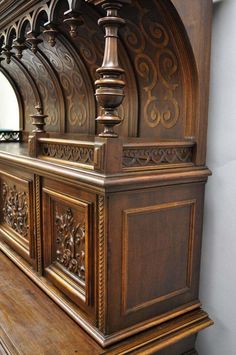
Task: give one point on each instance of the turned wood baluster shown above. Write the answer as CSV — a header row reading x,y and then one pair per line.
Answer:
x,y
38,120
110,86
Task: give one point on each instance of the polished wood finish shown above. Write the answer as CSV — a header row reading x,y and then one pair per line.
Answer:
x,y
106,221
32,324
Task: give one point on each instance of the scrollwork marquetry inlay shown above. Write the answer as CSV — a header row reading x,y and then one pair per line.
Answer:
x,y
70,243
46,86
76,85
156,64
15,209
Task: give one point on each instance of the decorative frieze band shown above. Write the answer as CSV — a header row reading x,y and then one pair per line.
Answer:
x,y
154,156
80,153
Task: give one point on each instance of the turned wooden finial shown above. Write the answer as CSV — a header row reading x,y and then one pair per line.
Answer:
x,y
8,53
51,33
32,38
38,120
73,20
19,45
110,86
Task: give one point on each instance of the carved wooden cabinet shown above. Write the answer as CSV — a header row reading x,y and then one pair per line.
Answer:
x,y
105,215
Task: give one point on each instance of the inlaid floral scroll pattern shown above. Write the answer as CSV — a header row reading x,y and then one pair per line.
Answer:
x,y
159,73
15,209
70,243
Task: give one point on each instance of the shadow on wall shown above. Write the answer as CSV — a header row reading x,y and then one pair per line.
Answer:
x,y
218,277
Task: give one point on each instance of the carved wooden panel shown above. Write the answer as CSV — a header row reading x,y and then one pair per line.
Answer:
x,y
68,152
67,238
71,235
144,157
15,209
16,218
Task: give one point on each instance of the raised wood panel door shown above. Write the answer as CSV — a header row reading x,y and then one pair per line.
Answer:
x,y
17,212
156,245
68,249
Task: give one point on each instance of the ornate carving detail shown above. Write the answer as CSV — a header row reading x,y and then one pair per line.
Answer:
x,y
70,243
154,156
158,73
76,91
15,209
68,152
51,33
8,53
19,45
35,64
34,41
38,224
73,20
101,264
10,136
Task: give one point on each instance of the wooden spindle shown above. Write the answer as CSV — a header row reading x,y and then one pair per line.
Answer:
x,y
110,86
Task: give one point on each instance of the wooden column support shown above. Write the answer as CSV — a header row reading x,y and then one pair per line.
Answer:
x,y
38,121
110,86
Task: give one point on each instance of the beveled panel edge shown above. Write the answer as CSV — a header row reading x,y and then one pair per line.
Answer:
x,y
24,246
84,294
149,209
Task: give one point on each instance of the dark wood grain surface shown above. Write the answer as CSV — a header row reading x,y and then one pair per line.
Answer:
x,y
108,223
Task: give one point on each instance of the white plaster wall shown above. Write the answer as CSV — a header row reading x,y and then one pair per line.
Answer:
x,y
218,269
9,111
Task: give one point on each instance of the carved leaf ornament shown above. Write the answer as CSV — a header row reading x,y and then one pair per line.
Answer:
x,y
70,240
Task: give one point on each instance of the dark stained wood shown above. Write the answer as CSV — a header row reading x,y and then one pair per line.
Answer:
x,y
109,227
